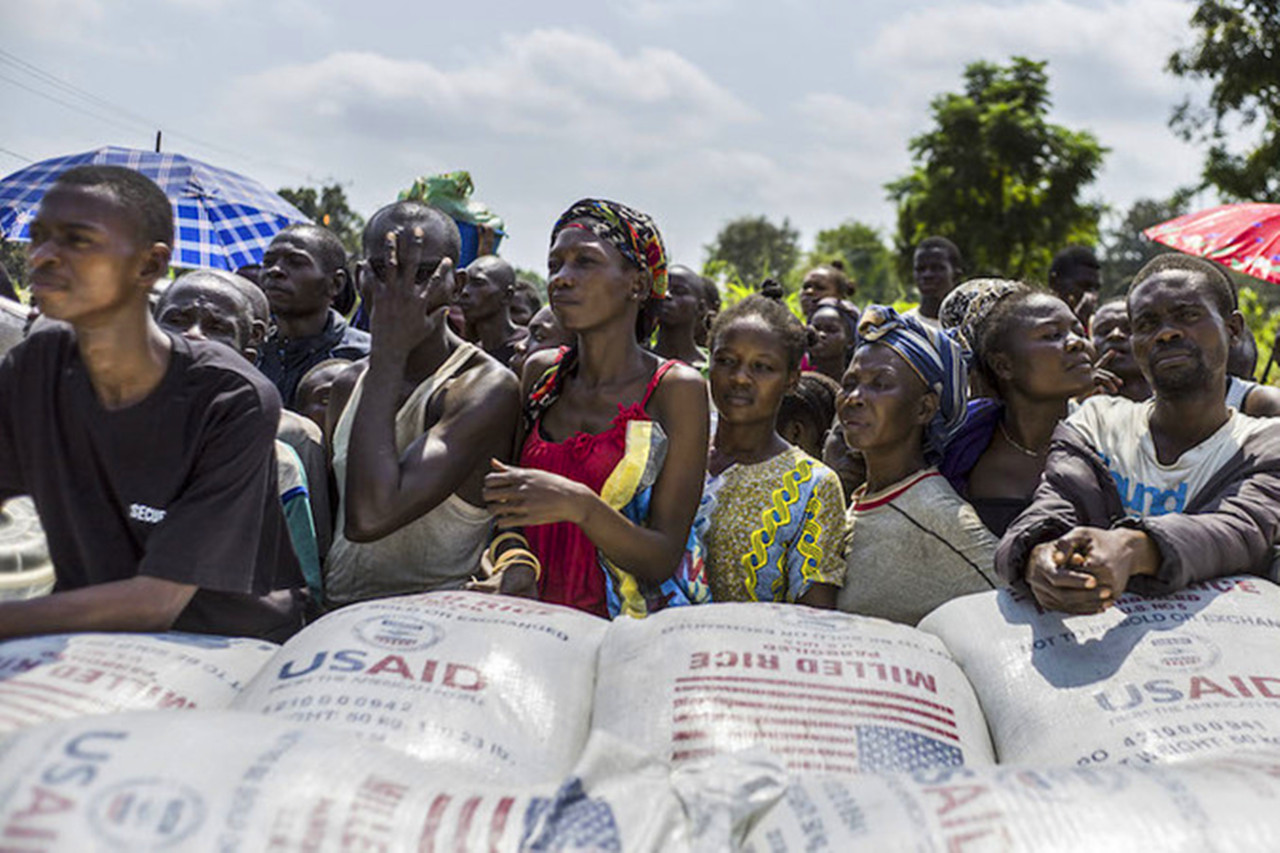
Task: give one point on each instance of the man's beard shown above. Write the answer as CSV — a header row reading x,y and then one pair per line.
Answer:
x,y
1182,380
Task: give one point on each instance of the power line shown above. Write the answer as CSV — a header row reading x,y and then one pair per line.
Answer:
x,y
68,104
71,89
16,155
135,120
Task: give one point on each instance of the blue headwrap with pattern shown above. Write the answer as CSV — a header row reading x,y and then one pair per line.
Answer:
x,y
935,357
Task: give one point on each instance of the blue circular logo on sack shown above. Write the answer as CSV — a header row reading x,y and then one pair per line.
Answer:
x,y
146,814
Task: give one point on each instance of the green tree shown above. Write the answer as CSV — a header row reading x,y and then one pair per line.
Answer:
x,y
867,260
996,177
755,249
1238,49
328,207
13,256
1125,249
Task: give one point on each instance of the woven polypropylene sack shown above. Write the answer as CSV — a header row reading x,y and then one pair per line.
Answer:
x,y
1227,806
1186,676
821,690
227,781
61,676
492,686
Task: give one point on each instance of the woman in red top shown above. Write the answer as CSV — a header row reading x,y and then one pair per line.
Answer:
x,y
606,261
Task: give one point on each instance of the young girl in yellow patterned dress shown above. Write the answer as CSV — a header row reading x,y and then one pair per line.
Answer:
x,y
771,519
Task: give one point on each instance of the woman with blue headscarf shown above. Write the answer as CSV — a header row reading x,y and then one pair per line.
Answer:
x,y
912,542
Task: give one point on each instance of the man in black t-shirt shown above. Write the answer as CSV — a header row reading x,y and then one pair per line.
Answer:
x,y
148,455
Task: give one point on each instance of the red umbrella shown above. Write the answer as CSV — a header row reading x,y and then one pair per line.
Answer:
x,y
1244,237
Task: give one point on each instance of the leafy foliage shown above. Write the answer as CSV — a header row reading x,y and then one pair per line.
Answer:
x,y
328,207
13,256
1238,48
755,249
1125,249
996,177
1264,322
867,260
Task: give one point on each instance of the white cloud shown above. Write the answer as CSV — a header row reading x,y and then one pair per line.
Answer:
x,y
663,11
1106,74
50,20
549,84
548,116
1119,44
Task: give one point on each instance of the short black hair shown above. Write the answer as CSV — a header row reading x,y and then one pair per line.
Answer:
x,y
322,365
1115,301
1071,259
776,316
1242,356
835,269
330,252
712,292
402,213
942,244
502,271
527,291
849,315
257,299
1224,291
812,401
141,196
991,333
249,294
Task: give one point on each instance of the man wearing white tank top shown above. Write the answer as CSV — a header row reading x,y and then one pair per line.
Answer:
x,y
413,428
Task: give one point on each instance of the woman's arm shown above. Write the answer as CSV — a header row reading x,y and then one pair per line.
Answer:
x,y
523,496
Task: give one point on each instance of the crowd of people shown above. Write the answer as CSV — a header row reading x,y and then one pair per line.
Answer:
x,y
231,453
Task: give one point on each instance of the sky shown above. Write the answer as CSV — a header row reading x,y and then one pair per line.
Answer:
x,y
695,111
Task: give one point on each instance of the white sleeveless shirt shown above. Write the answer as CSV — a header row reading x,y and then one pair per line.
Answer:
x,y
439,550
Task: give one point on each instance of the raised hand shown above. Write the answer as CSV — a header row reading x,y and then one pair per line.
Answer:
x,y
404,291
1104,381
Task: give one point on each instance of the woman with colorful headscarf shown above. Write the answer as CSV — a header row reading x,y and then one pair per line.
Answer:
x,y
912,542
614,446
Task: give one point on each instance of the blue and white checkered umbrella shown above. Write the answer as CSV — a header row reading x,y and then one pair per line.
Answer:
x,y
222,220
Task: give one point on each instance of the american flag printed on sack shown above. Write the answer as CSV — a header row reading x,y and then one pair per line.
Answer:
x,y
819,727
570,821
467,823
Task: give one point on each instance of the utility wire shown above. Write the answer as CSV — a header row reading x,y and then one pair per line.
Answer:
x,y
136,121
68,104
22,65
16,155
